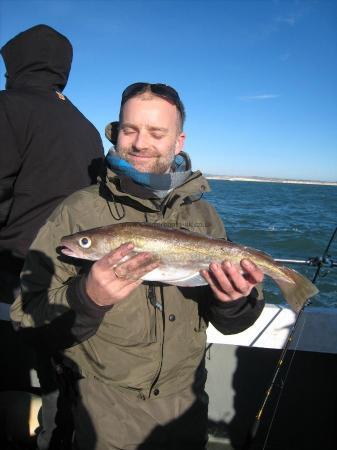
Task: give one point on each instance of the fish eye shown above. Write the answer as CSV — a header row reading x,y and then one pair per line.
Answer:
x,y
85,242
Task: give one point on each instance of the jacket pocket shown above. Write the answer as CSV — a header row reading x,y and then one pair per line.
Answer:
x,y
131,322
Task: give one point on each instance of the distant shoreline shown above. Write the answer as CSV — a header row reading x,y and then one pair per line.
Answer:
x,y
269,180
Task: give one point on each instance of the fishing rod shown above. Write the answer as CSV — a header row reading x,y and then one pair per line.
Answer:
x,y
319,262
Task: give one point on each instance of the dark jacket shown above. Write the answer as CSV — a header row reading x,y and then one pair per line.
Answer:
x,y
48,148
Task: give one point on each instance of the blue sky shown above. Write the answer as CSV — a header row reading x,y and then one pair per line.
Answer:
x,y
258,78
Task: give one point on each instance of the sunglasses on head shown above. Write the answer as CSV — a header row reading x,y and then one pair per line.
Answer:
x,y
159,89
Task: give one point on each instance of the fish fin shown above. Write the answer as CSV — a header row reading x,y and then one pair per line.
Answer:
x,y
297,290
190,281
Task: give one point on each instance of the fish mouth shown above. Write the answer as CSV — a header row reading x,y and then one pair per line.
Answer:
x,y
72,250
68,251
68,248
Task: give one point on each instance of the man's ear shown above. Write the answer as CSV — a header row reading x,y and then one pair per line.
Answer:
x,y
180,143
111,132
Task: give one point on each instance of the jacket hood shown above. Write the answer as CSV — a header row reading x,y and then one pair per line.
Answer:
x,y
38,57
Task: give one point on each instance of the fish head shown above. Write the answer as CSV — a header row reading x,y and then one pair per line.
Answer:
x,y
90,244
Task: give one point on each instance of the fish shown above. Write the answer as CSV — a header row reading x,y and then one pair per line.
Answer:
x,y
182,254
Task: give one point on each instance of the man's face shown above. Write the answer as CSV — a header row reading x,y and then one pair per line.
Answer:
x,y
149,135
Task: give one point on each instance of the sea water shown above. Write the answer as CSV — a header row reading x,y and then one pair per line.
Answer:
x,y
287,221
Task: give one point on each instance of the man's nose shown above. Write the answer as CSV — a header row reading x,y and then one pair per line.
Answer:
x,y
141,141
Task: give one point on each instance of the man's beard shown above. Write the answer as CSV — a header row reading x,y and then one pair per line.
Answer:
x,y
155,164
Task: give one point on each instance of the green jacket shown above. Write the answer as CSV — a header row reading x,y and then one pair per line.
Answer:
x,y
155,339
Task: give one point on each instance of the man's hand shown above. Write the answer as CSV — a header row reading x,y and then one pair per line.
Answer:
x,y
228,283
110,280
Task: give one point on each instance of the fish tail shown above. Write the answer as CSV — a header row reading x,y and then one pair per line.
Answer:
x,y
295,288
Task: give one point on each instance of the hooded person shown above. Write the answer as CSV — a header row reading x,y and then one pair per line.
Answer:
x,y
48,151
48,148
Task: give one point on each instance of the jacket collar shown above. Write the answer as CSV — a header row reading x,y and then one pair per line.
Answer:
x,y
192,189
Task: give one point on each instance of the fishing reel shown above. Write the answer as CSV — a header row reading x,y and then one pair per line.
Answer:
x,y
326,261
316,261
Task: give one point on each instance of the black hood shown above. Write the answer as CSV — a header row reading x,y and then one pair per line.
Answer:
x,y
38,57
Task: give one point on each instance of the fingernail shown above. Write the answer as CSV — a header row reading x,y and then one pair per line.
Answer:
x,y
247,263
228,264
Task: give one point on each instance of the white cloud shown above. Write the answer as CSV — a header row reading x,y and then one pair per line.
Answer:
x,y
289,20
248,98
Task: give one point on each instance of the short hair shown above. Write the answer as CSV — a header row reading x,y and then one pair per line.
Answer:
x,y
158,89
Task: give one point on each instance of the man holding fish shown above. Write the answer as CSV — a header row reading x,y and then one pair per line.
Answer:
x,y
129,314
